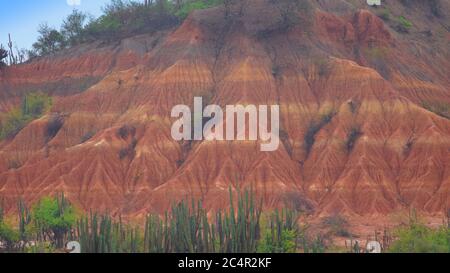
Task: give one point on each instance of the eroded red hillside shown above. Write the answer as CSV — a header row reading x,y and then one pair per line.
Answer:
x,y
346,72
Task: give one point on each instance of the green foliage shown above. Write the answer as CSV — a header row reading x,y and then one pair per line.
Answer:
x,y
188,6
101,234
24,221
2,210
49,41
418,238
281,234
121,19
403,24
8,235
185,229
73,26
41,247
12,123
33,106
104,28
54,217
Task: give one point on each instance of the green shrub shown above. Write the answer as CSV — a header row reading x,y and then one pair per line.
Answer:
x,y
122,19
54,216
189,6
403,24
417,238
8,235
287,243
33,106
2,209
49,41
12,123
281,234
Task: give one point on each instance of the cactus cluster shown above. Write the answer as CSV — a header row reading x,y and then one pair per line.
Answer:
x,y
187,227
24,219
2,210
101,234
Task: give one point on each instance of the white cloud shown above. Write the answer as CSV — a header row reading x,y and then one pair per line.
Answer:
x,y
73,2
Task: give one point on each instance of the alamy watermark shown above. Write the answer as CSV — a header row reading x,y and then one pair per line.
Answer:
x,y
237,122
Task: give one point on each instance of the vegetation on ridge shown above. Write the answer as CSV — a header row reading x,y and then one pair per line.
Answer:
x,y
120,19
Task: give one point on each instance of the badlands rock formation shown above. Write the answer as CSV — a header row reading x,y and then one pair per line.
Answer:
x,y
360,133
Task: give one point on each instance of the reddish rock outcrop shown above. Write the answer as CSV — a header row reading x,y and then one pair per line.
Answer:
x,y
375,148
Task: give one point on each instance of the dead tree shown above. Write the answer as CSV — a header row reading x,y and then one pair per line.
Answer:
x,y
12,58
20,57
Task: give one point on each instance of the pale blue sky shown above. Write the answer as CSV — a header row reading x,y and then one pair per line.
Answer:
x,y
21,18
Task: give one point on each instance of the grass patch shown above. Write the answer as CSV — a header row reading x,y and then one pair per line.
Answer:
x,y
190,6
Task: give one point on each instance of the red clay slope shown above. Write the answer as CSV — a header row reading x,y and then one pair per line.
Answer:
x,y
349,66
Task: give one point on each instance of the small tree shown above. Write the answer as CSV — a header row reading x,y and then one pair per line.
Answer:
x,y
24,221
49,41
54,217
72,27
